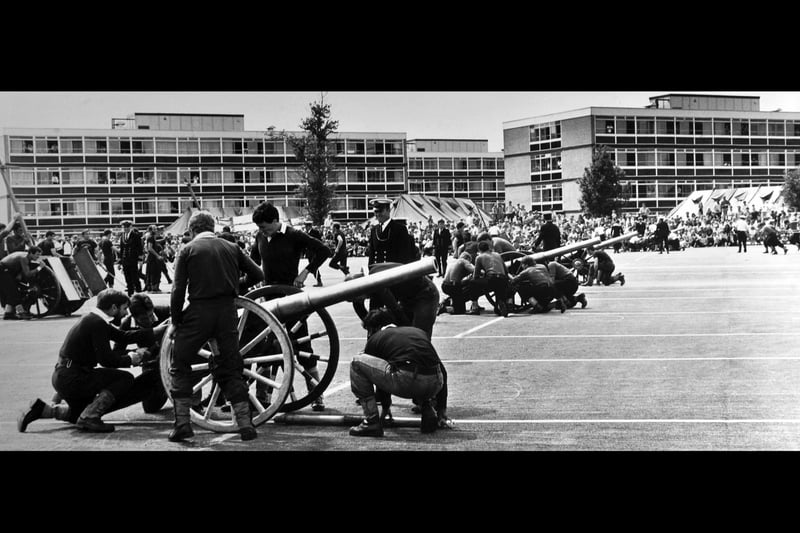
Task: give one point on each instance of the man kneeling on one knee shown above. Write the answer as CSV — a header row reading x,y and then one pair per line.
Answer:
x,y
400,361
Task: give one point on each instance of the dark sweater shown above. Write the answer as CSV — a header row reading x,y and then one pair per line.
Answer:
x,y
211,268
399,344
280,257
88,343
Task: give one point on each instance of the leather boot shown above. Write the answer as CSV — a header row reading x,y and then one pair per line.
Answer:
x,y
244,420
371,425
90,420
183,426
429,420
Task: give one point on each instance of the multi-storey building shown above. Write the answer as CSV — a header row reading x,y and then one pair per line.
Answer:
x,y
460,168
676,145
69,179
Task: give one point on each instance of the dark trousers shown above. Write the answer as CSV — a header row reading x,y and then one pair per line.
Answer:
x,y
153,275
339,262
9,293
543,294
458,294
441,260
78,386
109,279
499,285
567,288
662,243
131,271
604,276
741,238
422,308
204,320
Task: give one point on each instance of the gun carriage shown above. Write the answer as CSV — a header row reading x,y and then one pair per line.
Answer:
x,y
276,324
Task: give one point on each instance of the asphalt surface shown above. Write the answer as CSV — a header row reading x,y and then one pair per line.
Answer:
x,y
696,352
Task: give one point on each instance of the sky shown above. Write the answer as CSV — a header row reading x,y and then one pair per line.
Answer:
x,y
421,115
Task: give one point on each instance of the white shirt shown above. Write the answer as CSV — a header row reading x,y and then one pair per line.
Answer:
x,y
741,225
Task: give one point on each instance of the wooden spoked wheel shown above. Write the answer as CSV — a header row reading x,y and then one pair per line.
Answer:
x,y
263,343
44,293
315,343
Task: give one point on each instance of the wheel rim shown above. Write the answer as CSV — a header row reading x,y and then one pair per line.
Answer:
x,y
321,331
259,333
49,293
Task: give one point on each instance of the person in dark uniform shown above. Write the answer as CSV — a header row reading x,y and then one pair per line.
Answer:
x,y
566,285
130,252
536,286
88,390
549,234
490,275
412,303
616,231
389,241
339,259
15,267
662,234
441,245
317,234
85,241
48,244
109,257
602,268
278,249
147,387
400,361
210,268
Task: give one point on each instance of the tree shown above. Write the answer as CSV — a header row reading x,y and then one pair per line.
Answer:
x,y
601,191
791,188
316,153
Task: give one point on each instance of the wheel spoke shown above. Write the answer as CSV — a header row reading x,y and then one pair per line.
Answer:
x,y
298,325
200,367
264,359
306,375
312,336
202,383
258,338
259,407
312,356
242,321
212,402
258,377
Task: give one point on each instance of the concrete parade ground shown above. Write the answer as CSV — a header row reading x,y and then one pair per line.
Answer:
x,y
698,351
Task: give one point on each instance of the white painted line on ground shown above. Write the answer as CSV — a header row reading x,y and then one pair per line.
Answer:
x,y
476,328
613,335
459,422
602,297
225,437
622,359
634,313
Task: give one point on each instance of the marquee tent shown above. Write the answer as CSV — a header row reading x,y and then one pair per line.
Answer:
x,y
746,197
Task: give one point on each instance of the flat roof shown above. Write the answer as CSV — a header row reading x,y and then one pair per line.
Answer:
x,y
705,95
190,114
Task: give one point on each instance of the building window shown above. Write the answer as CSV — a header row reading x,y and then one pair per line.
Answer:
x,y
166,146
645,126
722,127
474,164
665,126
142,146
21,145
375,176
71,146
776,129
429,164
445,163
188,146
355,147
22,177
167,177
209,146
685,126
96,146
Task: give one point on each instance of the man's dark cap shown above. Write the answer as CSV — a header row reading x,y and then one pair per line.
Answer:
x,y
126,223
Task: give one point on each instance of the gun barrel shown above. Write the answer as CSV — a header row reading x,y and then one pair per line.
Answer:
x,y
304,302
555,252
615,240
